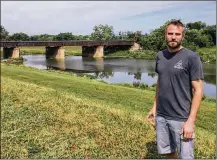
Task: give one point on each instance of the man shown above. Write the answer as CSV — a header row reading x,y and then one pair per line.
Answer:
x,y
178,95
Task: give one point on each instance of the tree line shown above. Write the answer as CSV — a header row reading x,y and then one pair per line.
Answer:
x,y
197,35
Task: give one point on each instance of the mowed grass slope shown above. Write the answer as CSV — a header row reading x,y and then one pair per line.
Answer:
x,y
47,114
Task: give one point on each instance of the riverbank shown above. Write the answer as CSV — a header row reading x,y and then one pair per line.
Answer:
x,y
143,54
69,50
53,114
208,55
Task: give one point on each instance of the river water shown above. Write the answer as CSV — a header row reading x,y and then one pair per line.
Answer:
x,y
116,70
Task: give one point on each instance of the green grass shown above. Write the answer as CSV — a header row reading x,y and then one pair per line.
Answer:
x,y
69,50
207,55
52,114
143,54
211,49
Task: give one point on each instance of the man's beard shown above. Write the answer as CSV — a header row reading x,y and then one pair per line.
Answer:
x,y
175,46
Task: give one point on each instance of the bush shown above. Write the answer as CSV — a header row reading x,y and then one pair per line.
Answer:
x,y
208,57
143,86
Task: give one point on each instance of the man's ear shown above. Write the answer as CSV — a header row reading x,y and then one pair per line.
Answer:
x,y
165,35
183,37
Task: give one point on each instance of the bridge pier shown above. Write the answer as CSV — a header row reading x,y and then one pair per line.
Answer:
x,y
99,51
135,47
13,52
55,52
93,51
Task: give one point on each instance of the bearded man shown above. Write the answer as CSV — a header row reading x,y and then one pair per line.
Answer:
x,y
178,95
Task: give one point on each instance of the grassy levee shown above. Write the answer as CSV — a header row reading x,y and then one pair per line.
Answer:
x,y
52,114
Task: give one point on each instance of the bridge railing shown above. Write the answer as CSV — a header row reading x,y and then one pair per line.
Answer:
x,y
65,43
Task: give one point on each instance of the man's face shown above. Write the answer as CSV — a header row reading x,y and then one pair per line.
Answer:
x,y
174,36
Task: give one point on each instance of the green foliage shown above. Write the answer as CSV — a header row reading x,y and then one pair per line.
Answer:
x,y
155,40
19,37
211,31
190,45
130,35
198,38
144,86
196,25
102,32
42,37
209,99
4,34
64,36
208,57
61,36
143,54
197,35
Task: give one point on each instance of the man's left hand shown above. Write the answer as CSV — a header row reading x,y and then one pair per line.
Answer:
x,y
188,129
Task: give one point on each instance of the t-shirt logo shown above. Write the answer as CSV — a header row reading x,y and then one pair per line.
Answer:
x,y
178,65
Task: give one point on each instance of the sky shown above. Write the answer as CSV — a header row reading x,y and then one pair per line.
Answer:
x,y
80,17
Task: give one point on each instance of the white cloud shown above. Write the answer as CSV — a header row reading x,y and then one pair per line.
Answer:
x,y
78,17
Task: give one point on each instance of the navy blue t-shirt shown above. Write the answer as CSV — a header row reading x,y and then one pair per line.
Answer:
x,y
175,73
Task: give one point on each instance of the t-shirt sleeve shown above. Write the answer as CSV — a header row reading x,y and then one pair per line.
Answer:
x,y
196,70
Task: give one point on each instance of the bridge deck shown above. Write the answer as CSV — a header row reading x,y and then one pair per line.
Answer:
x,y
65,43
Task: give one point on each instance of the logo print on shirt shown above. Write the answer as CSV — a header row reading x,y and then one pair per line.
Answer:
x,y
178,65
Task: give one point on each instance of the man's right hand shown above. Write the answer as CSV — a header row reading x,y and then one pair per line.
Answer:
x,y
151,116
152,113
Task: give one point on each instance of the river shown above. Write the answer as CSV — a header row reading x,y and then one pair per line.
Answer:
x,y
116,70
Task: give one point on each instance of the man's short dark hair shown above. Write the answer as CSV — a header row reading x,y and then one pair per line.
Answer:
x,y
176,22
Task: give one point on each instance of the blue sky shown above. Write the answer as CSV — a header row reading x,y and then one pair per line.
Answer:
x,y
79,17
194,11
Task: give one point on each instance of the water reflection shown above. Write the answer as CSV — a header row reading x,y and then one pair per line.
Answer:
x,y
56,64
136,76
115,70
210,79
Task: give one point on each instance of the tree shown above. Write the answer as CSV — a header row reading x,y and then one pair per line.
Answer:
x,y
198,38
130,35
196,25
197,35
138,35
64,36
102,32
211,31
155,40
19,37
122,36
4,34
86,37
42,37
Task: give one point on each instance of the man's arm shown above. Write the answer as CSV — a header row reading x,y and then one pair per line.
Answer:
x,y
188,127
152,112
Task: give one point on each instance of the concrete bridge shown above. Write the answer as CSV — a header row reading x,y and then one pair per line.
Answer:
x,y
55,49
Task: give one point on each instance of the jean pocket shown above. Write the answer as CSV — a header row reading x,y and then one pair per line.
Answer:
x,y
160,119
182,137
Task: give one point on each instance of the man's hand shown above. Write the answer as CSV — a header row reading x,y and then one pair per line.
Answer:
x,y
188,129
151,116
152,113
